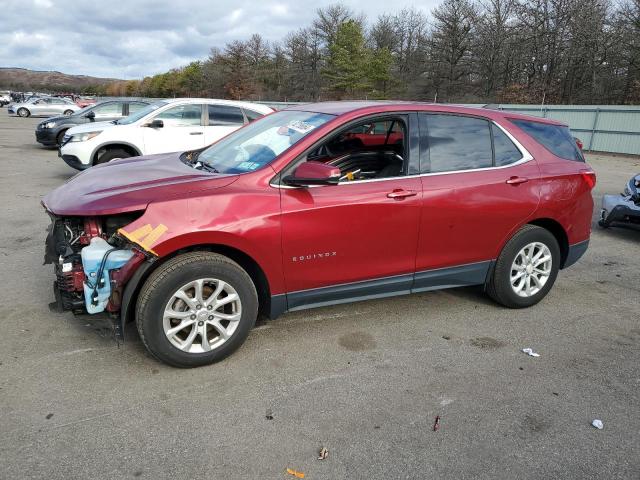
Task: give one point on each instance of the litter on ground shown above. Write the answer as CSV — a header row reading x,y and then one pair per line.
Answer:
x,y
530,352
598,424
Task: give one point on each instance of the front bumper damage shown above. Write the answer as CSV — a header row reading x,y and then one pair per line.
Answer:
x,y
92,264
623,208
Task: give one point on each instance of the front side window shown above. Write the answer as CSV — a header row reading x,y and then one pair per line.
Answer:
x,y
135,107
112,109
181,116
368,150
555,138
457,142
225,116
260,142
142,113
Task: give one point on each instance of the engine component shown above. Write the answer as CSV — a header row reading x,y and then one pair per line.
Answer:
x,y
98,259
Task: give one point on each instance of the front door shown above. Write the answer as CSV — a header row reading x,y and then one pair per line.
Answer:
x,y
357,239
182,130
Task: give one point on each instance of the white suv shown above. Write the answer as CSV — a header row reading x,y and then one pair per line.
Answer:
x,y
175,125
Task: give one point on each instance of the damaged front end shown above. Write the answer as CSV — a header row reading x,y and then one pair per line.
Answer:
x,y
92,262
623,208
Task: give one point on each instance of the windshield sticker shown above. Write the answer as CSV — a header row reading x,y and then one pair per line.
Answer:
x,y
248,165
296,126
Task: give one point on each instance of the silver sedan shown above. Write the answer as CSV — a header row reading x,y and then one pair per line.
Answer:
x,y
43,107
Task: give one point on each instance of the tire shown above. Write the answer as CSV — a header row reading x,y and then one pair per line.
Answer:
x,y
68,112
60,137
112,155
158,294
23,112
499,286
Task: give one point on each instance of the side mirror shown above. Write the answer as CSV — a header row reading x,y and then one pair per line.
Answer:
x,y
90,115
313,173
157,123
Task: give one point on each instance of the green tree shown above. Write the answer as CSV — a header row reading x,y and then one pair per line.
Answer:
x,y
347,70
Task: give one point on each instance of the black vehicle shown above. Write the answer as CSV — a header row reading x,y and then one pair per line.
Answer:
x,y
50,131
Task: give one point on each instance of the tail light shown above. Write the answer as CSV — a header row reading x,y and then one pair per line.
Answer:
x,y
589,177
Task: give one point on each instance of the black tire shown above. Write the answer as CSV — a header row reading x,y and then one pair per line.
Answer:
x,y
23,112
68,112
499,284
60,137
167,279
111,155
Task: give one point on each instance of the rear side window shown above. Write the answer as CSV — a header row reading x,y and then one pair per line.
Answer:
x,y
224,115
458,143
555,138
505,151
251,115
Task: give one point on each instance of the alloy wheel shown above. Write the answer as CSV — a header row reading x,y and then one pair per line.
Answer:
x,y
202,315
531,269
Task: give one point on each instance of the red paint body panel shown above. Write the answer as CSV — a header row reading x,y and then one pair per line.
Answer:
x,y
365,233
451,219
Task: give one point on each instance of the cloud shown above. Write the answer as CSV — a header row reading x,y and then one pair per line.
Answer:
x,y
136,38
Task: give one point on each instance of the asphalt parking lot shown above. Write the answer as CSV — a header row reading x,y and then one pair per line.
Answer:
x,y
364,380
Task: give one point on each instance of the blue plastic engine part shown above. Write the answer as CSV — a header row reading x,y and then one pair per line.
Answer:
x,y
97,290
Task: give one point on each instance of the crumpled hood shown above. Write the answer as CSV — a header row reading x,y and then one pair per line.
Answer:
x,y
130,184
90,127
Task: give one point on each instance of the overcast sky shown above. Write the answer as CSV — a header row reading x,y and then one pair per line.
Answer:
x,y
134,38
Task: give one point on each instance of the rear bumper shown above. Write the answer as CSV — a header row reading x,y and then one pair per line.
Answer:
x,y
576,251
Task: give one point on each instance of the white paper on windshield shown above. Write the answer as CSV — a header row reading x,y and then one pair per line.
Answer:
x,y
300,126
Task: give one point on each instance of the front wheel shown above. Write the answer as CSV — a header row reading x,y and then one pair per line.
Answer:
x,y
23,112
112,155
68,112
196,309
526,268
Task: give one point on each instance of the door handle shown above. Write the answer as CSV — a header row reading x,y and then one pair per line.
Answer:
x,y
195,133
400,194
517,180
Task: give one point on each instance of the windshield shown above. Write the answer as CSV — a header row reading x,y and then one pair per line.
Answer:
x,y
260,142
142,113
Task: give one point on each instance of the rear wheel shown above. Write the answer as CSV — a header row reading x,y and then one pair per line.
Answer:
x,y
196,309
23,112
112,155
526,268
68,112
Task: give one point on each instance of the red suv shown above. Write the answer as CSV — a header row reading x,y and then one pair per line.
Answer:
x,y
316,205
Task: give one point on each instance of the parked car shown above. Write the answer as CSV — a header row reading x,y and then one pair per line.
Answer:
x,y
85,102
316,205
43,106
5,98
51,131
624,208
165,126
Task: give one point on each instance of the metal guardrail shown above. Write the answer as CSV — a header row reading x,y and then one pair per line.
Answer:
x,y
602,128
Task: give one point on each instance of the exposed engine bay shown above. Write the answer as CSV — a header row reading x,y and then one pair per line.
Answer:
x,y
92,262
623,208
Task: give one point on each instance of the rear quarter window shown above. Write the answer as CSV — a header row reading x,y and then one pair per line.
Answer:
x,y
555,138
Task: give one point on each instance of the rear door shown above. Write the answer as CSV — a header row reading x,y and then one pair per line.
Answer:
x,y
221,121
182,130
474,198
